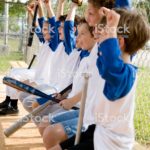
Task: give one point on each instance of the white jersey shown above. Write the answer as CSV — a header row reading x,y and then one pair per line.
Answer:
x,y
39,74
64,67
92,87
114,120
43,66
78,80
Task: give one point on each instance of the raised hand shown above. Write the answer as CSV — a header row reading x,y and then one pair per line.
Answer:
x,y
38,2
47,3
30,8
109,29
112,18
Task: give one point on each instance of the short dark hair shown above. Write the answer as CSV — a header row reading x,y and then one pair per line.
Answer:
x,y
62,18
91,29
102,3
76,20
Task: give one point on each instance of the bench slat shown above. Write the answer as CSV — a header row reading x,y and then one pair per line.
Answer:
x,y
22,64
18,64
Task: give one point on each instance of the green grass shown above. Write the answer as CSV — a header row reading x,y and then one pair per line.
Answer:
x,y
14,54
142,115
4,60
13,43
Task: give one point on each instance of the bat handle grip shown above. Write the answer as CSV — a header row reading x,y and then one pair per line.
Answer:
x,y
17,125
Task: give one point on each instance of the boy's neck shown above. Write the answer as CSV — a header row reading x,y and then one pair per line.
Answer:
x,y
90,49
126,58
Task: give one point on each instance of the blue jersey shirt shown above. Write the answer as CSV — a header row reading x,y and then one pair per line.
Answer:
x,y
53,43
123,4
119,76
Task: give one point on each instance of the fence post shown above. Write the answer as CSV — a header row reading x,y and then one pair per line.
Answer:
x,y
6,23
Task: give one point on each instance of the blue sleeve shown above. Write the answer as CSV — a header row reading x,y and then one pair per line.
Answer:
x,y
53,33
123,3
41,101
69,36
58,23
39,34
41,21
84,53
38,30
118,75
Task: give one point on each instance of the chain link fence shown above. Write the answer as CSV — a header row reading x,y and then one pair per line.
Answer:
x,y
14,36
15,47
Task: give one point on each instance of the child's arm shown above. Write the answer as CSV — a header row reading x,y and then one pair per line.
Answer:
x,y
119,76
59,12
41,14
30,9
39,25
38,29
69,35
69,103
53,43
60,9
48,5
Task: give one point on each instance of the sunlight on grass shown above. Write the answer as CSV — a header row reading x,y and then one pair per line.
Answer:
x,y
4,60
142,115
13,43
14,54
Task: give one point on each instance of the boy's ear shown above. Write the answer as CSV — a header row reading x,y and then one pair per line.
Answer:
x,y
121,42
75,29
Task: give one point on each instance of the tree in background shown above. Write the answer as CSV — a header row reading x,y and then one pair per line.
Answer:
x,y
15,9
143,6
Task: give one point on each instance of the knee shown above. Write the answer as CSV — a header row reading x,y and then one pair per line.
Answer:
x,y
44,124
53,135
27,105
56,147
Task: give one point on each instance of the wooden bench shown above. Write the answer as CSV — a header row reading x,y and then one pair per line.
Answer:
x,y
22,64
18,64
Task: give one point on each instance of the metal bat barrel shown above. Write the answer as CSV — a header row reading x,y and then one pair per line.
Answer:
x,y
24,87
21,122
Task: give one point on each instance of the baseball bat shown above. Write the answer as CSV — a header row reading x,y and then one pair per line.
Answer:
x,y
29,89
24,120
82,108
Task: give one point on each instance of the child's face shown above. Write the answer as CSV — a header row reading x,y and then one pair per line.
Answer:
x,y
46,31
78,43
92,15
61,31
84,39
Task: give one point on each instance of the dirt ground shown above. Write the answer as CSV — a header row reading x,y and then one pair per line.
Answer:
x,y
28,137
